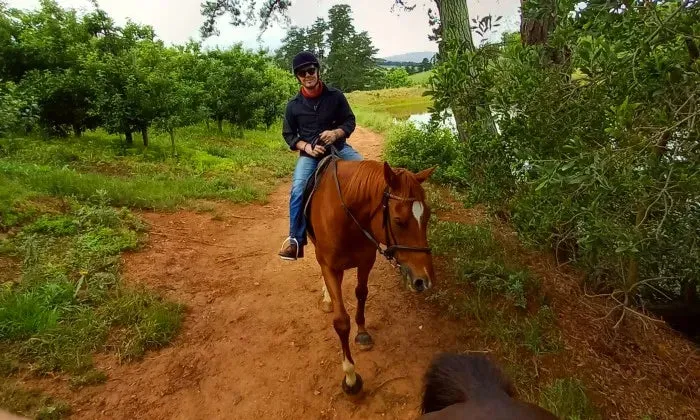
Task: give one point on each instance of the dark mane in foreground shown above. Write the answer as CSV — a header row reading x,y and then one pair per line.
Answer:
x,y
457,378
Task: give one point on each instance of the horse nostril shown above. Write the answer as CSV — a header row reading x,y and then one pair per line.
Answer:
x,y
419,284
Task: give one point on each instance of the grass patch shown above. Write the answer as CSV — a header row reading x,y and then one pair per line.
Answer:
x,y
64,222
207,164
379,108
32,404
91,377
421,79
502,297
69,302
567,399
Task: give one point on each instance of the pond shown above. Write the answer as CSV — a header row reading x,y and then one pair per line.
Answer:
x,y
448,120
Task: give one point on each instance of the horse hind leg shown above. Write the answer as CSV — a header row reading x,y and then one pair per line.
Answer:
x,y
352,382
362,339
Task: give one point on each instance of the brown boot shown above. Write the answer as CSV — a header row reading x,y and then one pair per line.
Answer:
x,y
291,251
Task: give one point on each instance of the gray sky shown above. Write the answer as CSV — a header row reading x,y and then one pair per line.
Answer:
x,y
175,21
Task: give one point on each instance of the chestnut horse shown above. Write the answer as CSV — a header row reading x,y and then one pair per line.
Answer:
x,y
356,207
464,387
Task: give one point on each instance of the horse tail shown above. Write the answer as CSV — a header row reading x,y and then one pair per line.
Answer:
x,y
456,378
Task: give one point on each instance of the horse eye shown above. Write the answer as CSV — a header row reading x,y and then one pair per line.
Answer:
x,y
399,222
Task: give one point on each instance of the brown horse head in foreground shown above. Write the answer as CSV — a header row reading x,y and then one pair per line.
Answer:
x,y
465,387
356,207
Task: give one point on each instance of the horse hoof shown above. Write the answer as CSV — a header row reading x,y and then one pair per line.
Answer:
x,y
326,307
364,341
355,389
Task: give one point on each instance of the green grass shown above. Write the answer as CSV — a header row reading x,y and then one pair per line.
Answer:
x,y
420,79
568,400
32,404
505,301
379,108
65,219
69,302
206,165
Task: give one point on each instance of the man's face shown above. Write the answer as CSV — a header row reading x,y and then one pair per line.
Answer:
x,y
308,76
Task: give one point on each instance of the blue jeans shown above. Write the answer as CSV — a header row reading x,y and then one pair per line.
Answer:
x,y
304,169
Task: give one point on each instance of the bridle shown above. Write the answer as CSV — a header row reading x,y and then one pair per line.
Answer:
x,y
390,251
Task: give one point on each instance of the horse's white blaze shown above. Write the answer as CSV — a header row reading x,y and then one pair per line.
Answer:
x,y
349,370
418,211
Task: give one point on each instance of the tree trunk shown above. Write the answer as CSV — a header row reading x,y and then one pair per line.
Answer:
x,y
172,139
144,134
77,130
457,36
207,121
129,138
454,19
220,122
535,31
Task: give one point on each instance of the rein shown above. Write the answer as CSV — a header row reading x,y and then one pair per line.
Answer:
x,y
390,251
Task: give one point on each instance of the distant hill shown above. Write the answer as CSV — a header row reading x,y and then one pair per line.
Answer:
x,y
412,57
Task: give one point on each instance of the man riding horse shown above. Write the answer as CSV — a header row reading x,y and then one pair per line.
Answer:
x,y
316,118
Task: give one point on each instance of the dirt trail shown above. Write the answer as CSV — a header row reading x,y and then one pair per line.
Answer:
x,y
255,344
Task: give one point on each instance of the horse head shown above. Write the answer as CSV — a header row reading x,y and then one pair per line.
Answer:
x,y
405,224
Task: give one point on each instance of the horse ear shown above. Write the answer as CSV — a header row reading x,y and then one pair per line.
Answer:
x,y
424,174
390,176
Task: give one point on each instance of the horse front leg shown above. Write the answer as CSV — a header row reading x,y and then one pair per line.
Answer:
x,y
363,339
326,304
352,382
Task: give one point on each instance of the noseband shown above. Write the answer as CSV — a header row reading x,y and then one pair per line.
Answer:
x,y
390,251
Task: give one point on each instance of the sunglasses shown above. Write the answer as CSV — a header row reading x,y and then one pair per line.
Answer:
x,y
309,70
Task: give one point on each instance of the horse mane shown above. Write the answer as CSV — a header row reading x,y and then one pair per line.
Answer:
x,y
367,181
457,378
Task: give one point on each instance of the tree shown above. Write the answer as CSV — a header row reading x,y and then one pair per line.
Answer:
x,y
350,62
294,41
179,96
537,19
396,78
317,41
425,65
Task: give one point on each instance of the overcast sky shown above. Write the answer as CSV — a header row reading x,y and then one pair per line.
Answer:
x,y
175,21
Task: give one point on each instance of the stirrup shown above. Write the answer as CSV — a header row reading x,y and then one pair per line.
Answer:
x,y
290,239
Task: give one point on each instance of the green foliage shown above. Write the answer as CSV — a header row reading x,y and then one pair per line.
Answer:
x,y
78,72
416,148
346,56
567,399
396,78
595,154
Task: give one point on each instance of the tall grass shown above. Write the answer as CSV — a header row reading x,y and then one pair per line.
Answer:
x,y
205,164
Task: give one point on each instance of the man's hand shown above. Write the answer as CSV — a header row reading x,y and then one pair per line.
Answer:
x,y
329,136
315,151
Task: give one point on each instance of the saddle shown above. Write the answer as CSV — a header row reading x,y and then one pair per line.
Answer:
x,y
310,189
